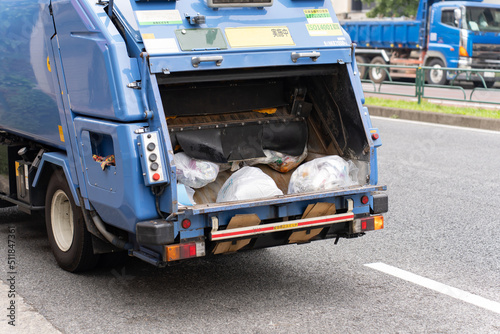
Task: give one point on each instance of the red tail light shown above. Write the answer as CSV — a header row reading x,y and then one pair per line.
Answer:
x,y
365,199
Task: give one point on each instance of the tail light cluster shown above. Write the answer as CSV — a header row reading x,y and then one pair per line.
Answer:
x,y
367,224
184,251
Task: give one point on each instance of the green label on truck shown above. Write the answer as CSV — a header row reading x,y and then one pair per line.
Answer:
x,y
316,13
158,17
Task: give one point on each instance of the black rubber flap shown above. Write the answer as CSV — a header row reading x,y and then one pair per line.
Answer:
x,y
203,144
244,142
287,138
241,143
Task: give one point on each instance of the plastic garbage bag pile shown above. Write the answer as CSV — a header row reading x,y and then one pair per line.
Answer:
x,y
247,183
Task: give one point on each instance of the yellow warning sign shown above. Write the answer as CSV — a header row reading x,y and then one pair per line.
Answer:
x,y
258,37
284,226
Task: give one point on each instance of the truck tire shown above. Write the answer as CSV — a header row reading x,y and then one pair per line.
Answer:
x,y
479,84
436,76
377,75
69,239
362,70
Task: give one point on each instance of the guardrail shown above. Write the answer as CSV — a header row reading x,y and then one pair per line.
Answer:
x,y
453,73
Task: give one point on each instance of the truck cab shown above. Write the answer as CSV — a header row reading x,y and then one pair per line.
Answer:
x,y
453,34
465,35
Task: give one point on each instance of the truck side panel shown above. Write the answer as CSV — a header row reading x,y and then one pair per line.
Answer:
x,y
96,79
28,104
386,34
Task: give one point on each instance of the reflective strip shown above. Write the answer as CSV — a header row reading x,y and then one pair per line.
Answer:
x,y
283,226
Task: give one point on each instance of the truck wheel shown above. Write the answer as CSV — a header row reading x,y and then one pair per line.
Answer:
x,y
377,74
436,76
361,69
69,239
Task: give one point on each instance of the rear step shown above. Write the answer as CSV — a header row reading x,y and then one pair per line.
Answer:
x,y
252,231
255,230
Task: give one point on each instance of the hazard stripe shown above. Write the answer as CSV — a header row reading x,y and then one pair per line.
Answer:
x,y
276,227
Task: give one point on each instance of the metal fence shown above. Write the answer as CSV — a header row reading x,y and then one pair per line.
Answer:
x,y
420,85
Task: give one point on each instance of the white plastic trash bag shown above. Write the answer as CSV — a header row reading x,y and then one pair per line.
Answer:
x,y
325,173
246,184
194,173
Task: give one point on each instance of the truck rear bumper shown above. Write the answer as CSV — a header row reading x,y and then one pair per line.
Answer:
x,y
257,230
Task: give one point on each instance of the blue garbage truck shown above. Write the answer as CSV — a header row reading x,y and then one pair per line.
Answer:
x,y
99,100
452,34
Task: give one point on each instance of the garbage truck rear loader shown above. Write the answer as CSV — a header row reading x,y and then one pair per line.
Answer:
x,y
172,130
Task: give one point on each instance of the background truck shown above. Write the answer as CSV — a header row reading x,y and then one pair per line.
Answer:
x,y
453,34
98,99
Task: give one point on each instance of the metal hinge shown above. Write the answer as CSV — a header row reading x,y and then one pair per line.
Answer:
x,y
196,19
135,85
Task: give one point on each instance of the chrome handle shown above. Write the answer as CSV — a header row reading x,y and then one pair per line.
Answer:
x,y
195,61
313,55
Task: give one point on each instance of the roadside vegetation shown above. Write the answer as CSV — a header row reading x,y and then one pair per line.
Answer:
x,y
427,106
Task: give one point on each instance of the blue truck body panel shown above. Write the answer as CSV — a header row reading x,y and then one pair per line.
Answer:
x,y
26,87
384,33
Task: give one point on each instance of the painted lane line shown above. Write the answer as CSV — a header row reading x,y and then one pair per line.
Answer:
x,y
436,286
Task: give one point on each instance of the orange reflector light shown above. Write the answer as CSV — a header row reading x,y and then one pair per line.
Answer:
x,y
173,253
462,52
378,222
184,251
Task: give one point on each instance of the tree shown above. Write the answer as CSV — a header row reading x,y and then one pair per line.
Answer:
x,y
388,8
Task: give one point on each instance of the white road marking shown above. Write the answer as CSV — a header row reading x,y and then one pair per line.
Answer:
x,y
27,319
436,286
435,124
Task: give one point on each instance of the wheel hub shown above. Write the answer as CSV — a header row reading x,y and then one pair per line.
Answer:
x,y
436,73
62,220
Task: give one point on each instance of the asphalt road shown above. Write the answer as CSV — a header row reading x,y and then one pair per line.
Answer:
x,y
443,225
